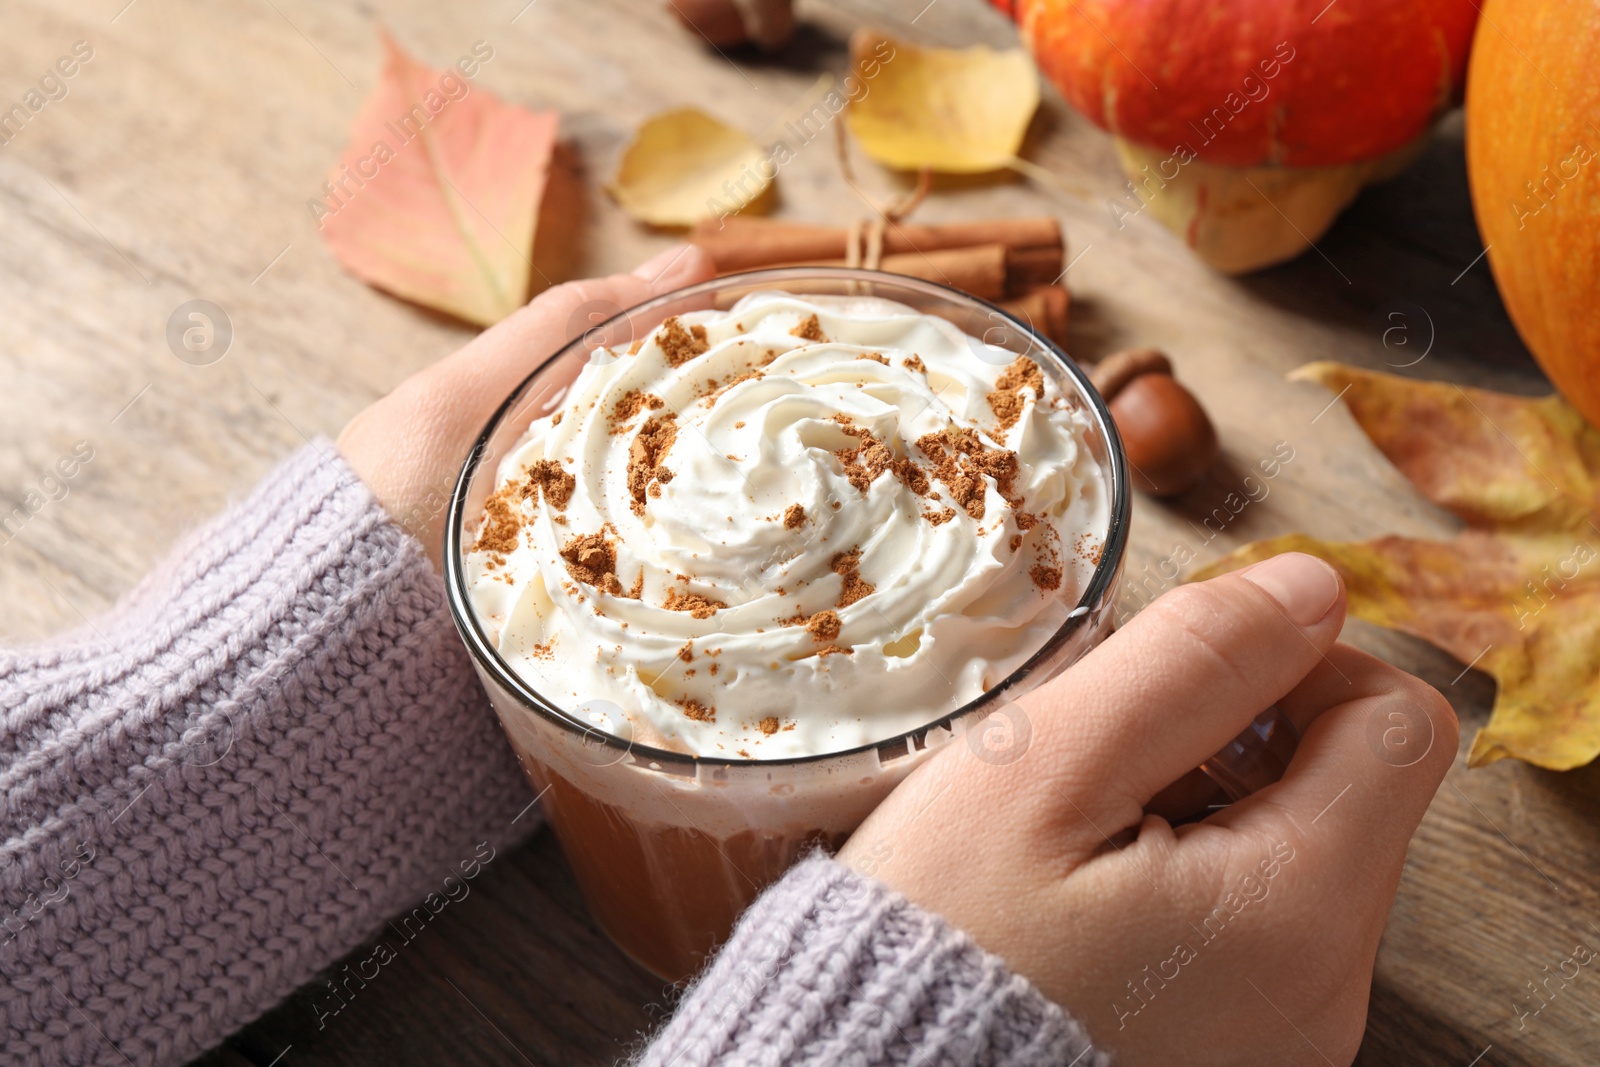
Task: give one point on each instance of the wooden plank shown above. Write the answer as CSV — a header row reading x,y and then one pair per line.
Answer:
x,y
179,166
514,973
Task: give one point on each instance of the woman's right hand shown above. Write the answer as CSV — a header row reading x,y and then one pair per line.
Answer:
x,y
1246,938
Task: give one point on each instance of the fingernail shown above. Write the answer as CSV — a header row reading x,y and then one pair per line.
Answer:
x,y
654,268
1304,586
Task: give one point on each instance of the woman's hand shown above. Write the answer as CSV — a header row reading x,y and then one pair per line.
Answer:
x,y
409,446
1247,938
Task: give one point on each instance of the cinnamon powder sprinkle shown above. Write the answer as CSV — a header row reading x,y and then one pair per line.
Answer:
x,y
810,330
1001,465
833,650
681,345
794,517
940,517
627,408
697,605
546,476
914,362
592,560
866,461
502,527
1046,578
962,461
645,455
823,626
1006,400
686,653
697,711
769,725
965,486
913,476
1046,573
876,357
847,566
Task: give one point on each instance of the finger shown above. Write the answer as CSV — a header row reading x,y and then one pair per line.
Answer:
x,y
1339,676
1343,675
1366,769
675,268
1184,677
502,355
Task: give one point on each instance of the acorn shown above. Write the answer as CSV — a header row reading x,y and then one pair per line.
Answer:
x,y
1167,436
767,24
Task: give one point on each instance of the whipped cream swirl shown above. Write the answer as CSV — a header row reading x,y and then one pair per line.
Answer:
x,y
791,528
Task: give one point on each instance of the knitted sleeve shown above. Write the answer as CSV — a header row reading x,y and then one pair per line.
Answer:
x,y
830,967
219,788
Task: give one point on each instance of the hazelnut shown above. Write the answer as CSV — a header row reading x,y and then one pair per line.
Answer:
x,y
767,24
1170,442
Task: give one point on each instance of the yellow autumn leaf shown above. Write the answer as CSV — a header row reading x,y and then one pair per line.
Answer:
x,y
684,166
954,110
1516,593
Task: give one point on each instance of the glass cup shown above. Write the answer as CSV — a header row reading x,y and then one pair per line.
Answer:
x,y
669,848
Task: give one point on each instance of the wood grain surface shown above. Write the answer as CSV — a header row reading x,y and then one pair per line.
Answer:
x,y
178,166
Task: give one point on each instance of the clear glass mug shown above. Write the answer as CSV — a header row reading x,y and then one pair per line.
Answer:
x,y
669,848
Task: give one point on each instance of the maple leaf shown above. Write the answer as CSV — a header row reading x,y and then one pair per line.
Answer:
x,y
436,197
1517,592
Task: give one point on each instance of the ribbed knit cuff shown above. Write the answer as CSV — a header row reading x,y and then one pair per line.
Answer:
x,y
831,967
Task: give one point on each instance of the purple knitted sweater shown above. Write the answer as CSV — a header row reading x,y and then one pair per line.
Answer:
x,y
276,741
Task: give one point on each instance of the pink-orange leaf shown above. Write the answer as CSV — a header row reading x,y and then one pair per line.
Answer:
x,y
436,197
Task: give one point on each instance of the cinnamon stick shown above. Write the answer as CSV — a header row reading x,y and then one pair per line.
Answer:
x,y
745,243
1044,308
1027,267
979,270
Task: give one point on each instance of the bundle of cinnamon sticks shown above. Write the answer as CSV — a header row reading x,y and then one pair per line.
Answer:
x,y
1015,263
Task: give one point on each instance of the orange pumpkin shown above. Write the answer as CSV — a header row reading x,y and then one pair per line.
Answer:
x,y
1246,126
1533,159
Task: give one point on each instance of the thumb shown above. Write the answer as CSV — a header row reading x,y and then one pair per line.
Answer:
x,y
1184,678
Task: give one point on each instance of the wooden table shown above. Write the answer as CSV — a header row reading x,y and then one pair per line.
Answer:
x,y
179,166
